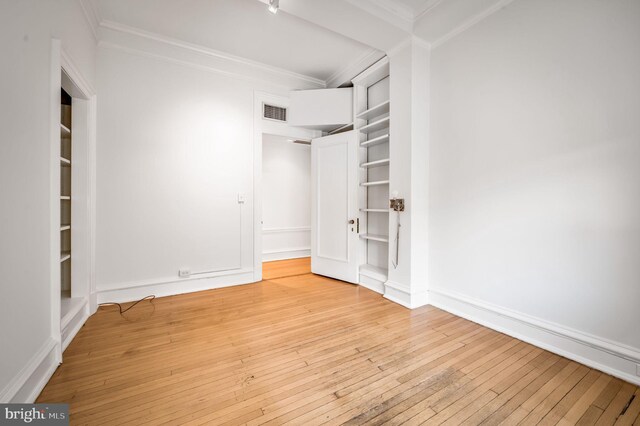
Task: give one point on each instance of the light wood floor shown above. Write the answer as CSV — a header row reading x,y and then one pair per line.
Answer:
x,y
304,349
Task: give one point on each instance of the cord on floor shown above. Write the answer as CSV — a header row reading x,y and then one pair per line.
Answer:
x,y
122,311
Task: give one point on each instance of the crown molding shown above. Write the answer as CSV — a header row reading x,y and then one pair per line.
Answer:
x,y
354,68
394,13
428,7
411,40
201,50
92,17
470,23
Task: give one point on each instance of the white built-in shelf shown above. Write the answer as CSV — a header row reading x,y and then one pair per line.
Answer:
x,y
375,210
65,132
376,111
375,272
65,227
64,256
341,129
65,197
64,162
375,126
376,183
69,307
375,141
374,237
376,163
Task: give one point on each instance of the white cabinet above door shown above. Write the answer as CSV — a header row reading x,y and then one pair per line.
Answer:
x,y
322,109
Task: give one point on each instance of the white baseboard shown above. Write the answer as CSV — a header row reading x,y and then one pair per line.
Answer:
x,y
270,256
29,382
372,284
401,295
74,325
610,357
161,288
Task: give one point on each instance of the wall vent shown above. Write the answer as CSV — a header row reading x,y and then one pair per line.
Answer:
x,y
272,112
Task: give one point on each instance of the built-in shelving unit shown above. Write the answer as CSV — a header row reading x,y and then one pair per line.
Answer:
x,y
376,163
375,141
375,183
372,112
384,211
375,126
374,237
376,111
65,206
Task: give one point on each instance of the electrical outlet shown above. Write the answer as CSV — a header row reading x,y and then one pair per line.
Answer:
x,y
184,273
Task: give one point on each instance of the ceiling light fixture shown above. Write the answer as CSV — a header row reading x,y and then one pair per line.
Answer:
x,y
274,5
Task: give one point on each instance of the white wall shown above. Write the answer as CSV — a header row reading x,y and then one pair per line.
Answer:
x,y
175,149
534,169
26,29
286,198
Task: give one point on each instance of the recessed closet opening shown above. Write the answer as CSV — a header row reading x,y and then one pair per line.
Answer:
x,y
286,201
72,175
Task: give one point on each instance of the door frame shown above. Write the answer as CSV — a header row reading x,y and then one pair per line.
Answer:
x,y
83,202
260,127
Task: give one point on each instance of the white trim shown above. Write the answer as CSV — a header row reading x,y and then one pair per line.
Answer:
x,y
200,50
426,9
75,324
66,62
371,283
394,13
409,41
401,294
261,126
286,230
92,17
352,69
54,191
284,254
611,357
29,382
470,23
173,286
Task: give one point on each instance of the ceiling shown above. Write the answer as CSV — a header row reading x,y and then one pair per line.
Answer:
x,y
328,40
242,28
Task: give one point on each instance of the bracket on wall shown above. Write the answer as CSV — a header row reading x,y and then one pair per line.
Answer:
x,y
397,204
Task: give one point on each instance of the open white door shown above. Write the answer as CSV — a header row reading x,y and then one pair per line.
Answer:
x,y
334,201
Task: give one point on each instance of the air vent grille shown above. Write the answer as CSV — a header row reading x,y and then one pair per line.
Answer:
x,y
272,112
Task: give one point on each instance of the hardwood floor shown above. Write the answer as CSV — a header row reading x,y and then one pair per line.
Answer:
x,y
286,268
304,349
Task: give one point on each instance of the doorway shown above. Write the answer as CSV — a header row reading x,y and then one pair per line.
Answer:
x,y
286,205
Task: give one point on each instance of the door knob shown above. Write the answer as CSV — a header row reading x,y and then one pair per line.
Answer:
x,y
351,222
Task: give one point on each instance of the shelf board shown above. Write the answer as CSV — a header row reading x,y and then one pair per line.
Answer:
x,y
65,227
375,210
65,197
375,141
64,162
375,111
69,307
375,126
374,272
376,183
374,237
376,163
341,129
65,132
64,256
